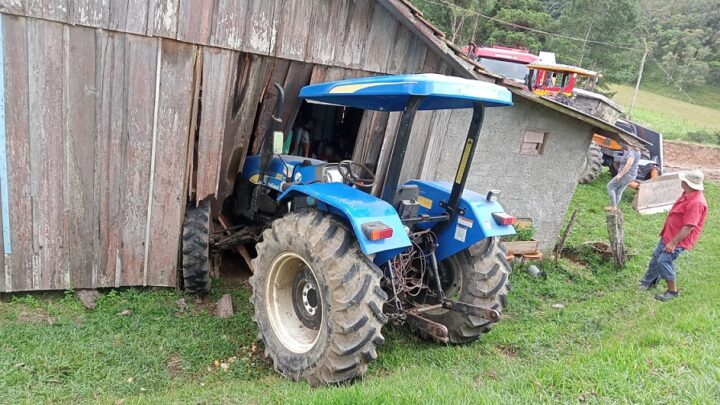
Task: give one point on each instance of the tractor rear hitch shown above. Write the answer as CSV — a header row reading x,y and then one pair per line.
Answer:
x,y
470,309
437,331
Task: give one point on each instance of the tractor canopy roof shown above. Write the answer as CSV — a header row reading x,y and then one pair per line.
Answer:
x,y
392,93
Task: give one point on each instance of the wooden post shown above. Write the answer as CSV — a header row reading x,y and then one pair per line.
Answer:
x,y
561,244
615,234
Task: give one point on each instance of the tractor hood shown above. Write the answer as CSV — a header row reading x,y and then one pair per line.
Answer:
x,y
392,93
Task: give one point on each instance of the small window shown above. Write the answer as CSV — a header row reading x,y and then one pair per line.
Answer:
x,y
533,143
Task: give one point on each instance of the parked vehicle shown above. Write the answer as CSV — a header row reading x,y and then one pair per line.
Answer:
x,y
335,263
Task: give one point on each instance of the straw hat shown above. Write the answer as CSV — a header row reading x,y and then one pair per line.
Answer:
x,y
693,178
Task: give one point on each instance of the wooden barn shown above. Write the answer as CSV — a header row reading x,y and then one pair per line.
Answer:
x,y
117,113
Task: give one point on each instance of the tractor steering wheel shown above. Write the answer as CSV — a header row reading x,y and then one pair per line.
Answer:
x,y
353,172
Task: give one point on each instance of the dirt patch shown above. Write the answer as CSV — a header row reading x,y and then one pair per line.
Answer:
x,y
173,365
687,156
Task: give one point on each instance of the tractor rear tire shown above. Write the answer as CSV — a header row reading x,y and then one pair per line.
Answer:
x,y
196,248
318,301
593,164
477,276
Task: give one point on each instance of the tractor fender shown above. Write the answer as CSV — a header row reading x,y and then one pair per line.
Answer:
x,y
473,223
356,208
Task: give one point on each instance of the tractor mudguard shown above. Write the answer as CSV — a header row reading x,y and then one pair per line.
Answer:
x,y
357,208
474,222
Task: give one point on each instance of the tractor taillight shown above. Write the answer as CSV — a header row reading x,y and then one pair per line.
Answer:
x,y
376,230
502,218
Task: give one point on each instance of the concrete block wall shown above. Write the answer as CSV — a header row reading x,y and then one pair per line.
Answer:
x,y
538,187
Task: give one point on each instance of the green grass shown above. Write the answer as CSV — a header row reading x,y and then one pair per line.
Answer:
x,y
610,343
673,118
704,95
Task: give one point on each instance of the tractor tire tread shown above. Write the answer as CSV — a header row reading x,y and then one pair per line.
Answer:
x,y
196,249
350,282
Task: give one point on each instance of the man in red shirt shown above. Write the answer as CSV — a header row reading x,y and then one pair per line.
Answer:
x,y
680,232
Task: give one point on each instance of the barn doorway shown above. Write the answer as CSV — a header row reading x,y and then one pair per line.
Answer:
x,y
331,132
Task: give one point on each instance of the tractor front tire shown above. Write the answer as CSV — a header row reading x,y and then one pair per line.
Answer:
x,y
477,276
318,301
593,164
196,248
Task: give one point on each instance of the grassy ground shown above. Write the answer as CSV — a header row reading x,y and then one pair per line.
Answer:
x,y
701,95
673,118
610,342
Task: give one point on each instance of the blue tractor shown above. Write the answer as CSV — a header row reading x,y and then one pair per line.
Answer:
x,y
335,262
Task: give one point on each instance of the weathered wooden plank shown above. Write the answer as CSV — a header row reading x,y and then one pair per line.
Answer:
x,y
17,132
195,19
140,80
16,7
80,135
129,16
163,18
398,58
380,39
370,138
110,158
318,74
193,130
90,13
415,55
247,88
54,10
328,20
45,63
386,151
261,26
335,73
268,99
229,24
168,188
292,37
298,76
435,144
352,53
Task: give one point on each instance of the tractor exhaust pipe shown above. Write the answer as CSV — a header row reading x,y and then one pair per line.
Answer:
x,y
266,148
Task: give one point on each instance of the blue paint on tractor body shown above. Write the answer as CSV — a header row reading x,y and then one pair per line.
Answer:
x,y
474,223
308,182
357,208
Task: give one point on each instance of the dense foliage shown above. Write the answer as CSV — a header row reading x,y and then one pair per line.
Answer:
x,y
683,37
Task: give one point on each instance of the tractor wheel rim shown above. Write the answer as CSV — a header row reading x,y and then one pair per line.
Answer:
x,y
305,299
293,303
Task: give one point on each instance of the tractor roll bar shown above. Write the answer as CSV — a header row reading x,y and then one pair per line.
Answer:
x,y
466,159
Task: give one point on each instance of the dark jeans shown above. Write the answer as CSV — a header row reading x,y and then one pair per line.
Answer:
x,y
662,264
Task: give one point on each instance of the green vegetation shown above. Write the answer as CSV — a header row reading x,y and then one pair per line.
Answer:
x,y
610,342
675,119
705,95
681,35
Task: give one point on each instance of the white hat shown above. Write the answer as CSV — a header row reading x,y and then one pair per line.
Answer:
x,y
693,178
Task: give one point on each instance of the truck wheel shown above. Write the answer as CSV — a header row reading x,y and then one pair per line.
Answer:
x,y
593,164
318,301
478,276
196,248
